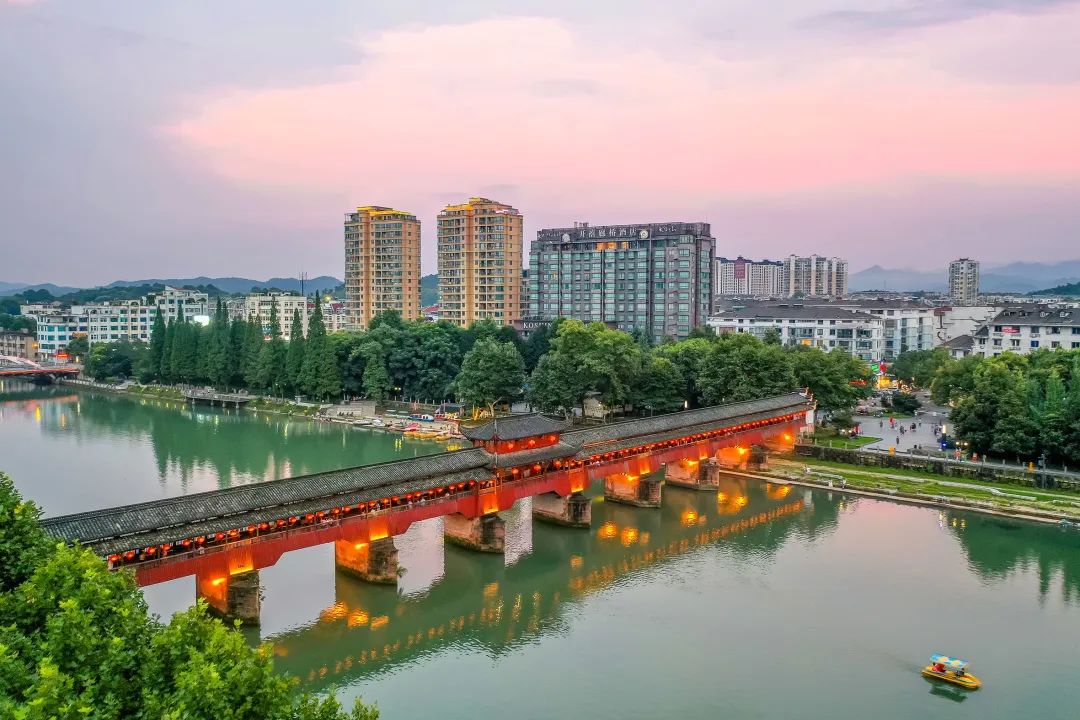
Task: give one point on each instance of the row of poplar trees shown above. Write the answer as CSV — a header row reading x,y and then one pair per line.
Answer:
x,y
241,353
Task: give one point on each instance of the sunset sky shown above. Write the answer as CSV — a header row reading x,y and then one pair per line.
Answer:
x,y
149,139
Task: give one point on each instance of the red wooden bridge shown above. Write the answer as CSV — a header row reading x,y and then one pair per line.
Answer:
x,y
224,536
13,367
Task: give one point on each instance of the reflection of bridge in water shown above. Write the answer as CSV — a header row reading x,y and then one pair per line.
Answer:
x,y
482,601
224,537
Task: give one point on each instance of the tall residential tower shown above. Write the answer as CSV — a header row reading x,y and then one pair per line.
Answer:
x,y
964,281
382,264
479,262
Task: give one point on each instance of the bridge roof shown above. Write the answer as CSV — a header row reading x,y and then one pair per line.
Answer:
x,y
681,421
516,427
132,525
151,523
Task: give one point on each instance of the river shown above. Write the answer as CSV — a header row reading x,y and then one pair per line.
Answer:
x,y
791,603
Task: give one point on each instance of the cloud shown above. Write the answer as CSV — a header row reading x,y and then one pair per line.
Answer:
x,y
923,14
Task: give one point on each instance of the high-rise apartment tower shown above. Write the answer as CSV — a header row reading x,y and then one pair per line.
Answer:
x,y
479,262
964,281
382,264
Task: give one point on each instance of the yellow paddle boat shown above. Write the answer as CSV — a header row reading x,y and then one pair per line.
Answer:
x,y
952,671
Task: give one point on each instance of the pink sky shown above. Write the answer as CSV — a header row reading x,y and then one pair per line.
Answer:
x,y
896,135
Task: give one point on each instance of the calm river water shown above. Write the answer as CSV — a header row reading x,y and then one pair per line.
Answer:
x,y
795,604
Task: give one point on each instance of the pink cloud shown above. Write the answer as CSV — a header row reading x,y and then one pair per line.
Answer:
x,y
581,126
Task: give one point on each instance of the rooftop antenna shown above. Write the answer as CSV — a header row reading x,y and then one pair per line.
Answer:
x,y
303,282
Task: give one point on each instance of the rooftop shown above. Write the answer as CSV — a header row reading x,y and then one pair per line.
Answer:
x,y
796,311
516,427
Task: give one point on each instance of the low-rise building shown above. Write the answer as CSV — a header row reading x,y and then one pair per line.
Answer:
x,y
1024,328
56,329
821,326
960,346
953,321
335,318
259,306
171,299
18,343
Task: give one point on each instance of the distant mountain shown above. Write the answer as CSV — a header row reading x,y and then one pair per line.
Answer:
x,y
15,288
1018,277
429,290
1070,289
879,278
241,285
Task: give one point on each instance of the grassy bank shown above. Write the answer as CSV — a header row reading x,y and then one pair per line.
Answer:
x,y
839,441
934,489
257,404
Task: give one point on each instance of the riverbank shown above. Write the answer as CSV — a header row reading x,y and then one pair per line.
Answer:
x,y
1044,506
257,403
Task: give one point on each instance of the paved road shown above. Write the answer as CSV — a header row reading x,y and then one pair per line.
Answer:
x,y
923,435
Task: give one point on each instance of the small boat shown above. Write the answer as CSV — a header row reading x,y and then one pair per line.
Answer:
x,y
362,423
951,670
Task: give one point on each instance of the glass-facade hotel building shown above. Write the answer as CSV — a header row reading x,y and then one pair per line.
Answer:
x,y
657,277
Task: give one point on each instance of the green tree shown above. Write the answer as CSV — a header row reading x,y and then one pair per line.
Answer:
x,y
165,371
491,371
270,372
157,347
836,379
78,347
660,386
556,385
252,349
376,377
689,355
22,545
741,367
919,367
294,357
319,376
76,641
954,379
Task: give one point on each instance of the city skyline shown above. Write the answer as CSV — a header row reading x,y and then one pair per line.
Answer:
x,y
231,142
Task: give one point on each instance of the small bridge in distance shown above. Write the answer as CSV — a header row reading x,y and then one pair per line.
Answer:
x,y
15,367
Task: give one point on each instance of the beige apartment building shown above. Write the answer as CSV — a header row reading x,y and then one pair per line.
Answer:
x,y
480,262
382,264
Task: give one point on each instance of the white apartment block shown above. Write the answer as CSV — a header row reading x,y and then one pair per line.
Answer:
x,y
964,281
742,277
335,317
1023,329
170,299
951,322
258,306
827,328
814,276
908,326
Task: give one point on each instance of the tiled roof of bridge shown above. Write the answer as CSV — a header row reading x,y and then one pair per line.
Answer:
x,y
274,495
516,427
541,454
680,421
209,526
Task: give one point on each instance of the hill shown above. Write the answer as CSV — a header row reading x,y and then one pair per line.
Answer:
x,y
1018,277
239,284
1069,289
429,290
7,289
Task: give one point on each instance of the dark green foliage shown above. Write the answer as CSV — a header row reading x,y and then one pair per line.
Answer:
x,y
294,356
319,376
659,387
741,367
905,403
17,322
492,371
118,360
919,366
76,641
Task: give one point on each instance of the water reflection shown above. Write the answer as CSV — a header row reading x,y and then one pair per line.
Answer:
x,y
190,448
997,548
498,603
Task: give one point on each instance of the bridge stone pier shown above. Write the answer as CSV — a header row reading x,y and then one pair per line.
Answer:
x,y
694,474
224,537
486,533
574,510
232,597
375,561
636,490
